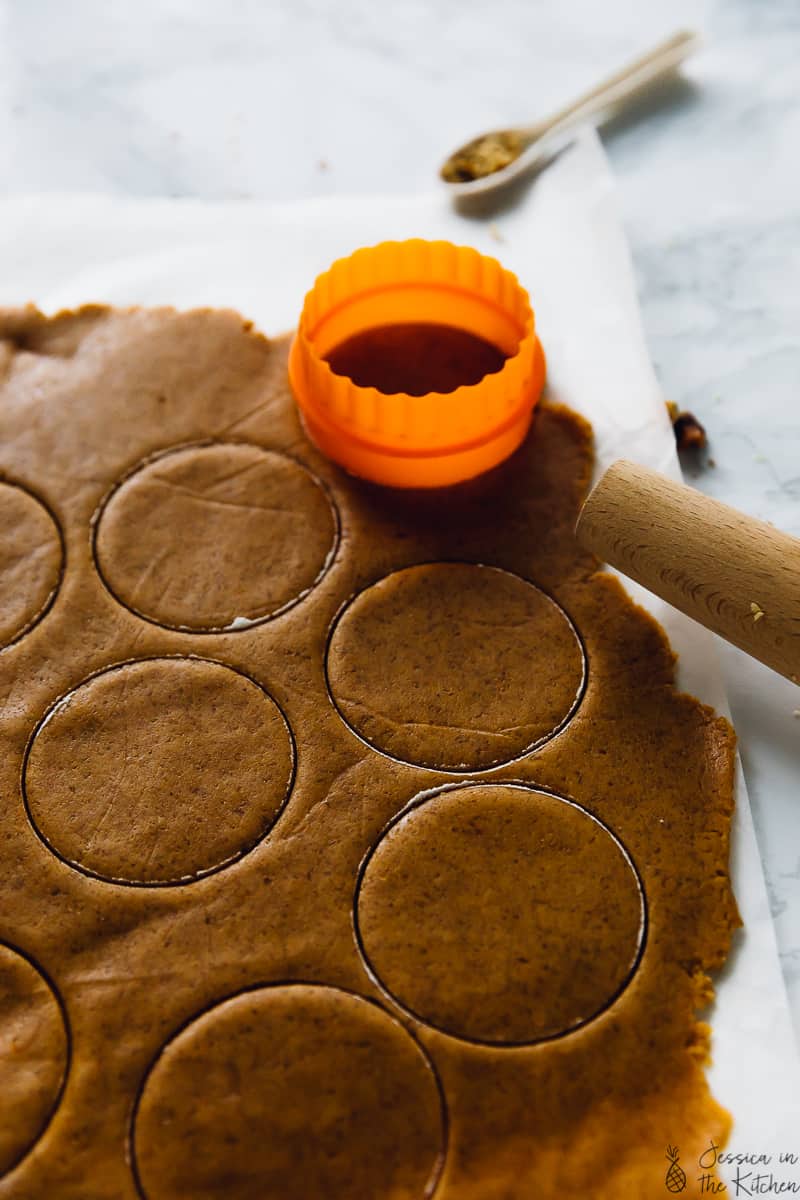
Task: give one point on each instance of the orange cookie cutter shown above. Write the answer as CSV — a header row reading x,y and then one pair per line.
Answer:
x,y
417,441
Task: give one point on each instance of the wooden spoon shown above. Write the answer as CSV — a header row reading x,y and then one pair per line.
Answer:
x,y
494,159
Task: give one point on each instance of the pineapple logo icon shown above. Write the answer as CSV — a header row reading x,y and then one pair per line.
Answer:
x,y
675,1179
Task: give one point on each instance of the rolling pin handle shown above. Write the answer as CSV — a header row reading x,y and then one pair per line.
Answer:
x,y
738,576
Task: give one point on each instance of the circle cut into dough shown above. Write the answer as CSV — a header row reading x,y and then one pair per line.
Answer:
x,y
455,666
159,771
205,537
500,914
293,1092
31,560
33,1055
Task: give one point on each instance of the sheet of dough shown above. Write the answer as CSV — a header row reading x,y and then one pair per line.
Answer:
x,y
566,244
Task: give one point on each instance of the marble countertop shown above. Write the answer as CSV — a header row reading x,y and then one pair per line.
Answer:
x,y
299,98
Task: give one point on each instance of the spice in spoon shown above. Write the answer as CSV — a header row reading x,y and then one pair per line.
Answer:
x,y
483,156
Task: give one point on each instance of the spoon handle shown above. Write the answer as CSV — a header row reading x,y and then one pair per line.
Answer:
x,y
622,85
732,573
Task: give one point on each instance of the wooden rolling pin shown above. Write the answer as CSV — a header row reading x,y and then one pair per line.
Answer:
x,y
737,576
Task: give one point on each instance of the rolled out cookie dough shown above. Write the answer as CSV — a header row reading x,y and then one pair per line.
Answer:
x,y
410,881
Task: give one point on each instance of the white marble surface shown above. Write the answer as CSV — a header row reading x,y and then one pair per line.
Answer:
x,y
278,99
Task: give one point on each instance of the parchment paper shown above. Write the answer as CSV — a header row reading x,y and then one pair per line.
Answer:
x,y
565,242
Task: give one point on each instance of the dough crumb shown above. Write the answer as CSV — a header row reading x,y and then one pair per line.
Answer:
x,y
239,623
